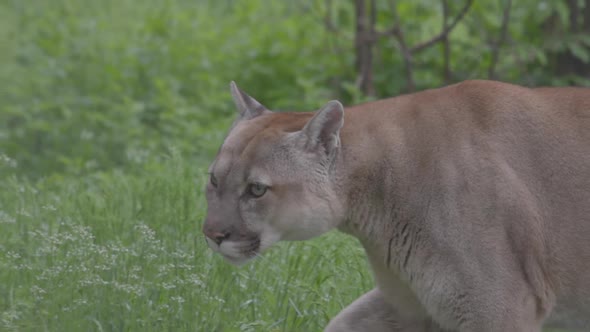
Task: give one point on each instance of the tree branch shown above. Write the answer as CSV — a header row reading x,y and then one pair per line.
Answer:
x,y
446,46
445,32
501,39
574,17
408,52
586,16
364,39
398,34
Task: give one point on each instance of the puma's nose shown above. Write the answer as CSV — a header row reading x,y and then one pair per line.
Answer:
x,y
217,237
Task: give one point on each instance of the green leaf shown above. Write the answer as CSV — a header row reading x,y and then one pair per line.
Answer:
x,y
579,52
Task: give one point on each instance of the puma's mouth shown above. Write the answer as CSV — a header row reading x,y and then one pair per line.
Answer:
x,y
237,252
242,249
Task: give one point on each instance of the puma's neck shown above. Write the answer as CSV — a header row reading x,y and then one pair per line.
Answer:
x,y
378,182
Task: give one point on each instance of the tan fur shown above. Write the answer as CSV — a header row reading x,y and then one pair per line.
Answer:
x,y
472,202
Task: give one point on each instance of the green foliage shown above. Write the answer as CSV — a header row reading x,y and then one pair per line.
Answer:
x,y
93,85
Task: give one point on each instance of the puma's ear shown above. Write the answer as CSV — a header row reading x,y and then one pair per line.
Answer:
x,y
322,131
247,106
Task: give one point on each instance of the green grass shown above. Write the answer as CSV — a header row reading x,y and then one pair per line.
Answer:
x,y
115,252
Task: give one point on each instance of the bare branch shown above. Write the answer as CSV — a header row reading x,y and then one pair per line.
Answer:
x,y
446,46
496,46
445,32
586,25
574,17
408,52
364,40
391,32
325,20
398,34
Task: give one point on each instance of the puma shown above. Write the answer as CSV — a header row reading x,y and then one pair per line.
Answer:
x,y
472,201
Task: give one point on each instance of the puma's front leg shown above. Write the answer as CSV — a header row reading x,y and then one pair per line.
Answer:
x,y
371,312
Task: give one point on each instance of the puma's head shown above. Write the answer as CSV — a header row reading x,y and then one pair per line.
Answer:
x,y
272,179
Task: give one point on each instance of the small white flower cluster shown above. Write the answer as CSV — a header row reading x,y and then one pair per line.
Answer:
x,y
7,161
5,218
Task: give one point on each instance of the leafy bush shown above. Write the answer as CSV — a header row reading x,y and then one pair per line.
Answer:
x,y
95,85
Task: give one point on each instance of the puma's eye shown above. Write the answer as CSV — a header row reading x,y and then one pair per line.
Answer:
x,y
257,189
213,180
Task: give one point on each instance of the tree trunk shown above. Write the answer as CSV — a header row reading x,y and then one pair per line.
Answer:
x,y
364,39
